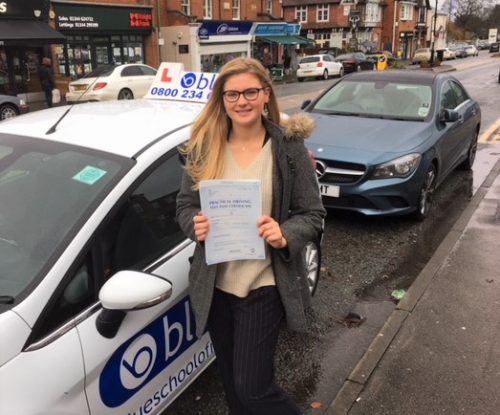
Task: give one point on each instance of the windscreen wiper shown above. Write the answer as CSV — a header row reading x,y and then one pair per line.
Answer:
x,y
350,114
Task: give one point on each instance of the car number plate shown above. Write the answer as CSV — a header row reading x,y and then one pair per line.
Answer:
x,y
329,190
80,87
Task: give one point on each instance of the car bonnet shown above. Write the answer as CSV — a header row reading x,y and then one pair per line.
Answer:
x,y
364,140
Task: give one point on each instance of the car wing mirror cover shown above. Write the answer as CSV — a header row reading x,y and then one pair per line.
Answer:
x,y
305,104
134,290
447,115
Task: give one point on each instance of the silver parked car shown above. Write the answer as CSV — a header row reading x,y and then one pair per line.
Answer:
x,y
11,106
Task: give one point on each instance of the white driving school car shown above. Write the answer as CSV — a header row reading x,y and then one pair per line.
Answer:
x,y
95,316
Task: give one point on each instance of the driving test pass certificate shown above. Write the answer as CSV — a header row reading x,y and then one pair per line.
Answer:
x,y
232,208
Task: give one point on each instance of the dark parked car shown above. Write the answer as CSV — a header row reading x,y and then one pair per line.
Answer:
x,y
495,47
11,106
385,140
357,61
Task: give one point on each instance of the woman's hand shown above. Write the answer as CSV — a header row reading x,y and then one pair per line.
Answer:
x,y
201,226
270,231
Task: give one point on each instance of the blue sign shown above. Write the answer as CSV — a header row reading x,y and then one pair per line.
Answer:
x,y
277,29
293,29
220,28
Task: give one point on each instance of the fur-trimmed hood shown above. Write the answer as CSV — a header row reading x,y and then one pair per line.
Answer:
x,y
297,126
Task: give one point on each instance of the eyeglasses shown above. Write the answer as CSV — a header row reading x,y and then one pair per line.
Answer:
x,y
250,94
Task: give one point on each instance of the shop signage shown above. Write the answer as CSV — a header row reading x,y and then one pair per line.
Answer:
x,y
219,28
85,18
25,9
276,29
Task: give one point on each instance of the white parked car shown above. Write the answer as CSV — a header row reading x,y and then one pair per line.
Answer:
x,y
319,66
94,309
471,50
448,54
111,82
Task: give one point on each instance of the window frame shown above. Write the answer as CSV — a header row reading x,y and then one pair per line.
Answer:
x,y
236,9
207,9
186,7
323,12
406,11
301,14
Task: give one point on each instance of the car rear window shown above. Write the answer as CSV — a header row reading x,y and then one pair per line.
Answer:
x,y
310,59
100,71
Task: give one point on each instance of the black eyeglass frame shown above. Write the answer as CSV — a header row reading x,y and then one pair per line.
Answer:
x,y
240,93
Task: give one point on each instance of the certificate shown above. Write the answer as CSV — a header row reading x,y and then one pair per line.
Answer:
x,y
232,208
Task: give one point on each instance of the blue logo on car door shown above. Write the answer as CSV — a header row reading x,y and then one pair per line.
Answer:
x,y
149,352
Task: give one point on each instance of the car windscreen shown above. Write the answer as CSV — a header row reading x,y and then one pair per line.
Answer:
x,y
384,99
47,191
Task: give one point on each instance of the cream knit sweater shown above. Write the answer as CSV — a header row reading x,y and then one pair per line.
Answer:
x,y
240,277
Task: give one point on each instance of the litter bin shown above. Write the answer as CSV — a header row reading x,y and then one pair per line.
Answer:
x,y
277,72
440,55
382,63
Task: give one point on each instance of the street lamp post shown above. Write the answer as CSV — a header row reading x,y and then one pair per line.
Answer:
x,y
434,34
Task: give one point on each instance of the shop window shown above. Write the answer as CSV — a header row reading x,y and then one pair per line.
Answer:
x,y
133,53
213,63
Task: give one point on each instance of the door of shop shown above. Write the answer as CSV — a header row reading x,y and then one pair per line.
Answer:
x,y
19,70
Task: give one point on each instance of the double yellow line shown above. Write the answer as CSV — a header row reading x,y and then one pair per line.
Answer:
x,y
491,135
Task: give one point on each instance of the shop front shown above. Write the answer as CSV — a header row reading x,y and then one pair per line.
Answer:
x,y
25,38
281,41
99,34
206,46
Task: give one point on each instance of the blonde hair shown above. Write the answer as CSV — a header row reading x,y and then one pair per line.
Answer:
x,y
210,130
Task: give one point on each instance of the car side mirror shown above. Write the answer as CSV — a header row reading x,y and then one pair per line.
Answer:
x,y
305,104
128,291
447,115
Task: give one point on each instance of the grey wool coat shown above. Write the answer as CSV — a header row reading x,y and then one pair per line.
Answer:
x,y
296,206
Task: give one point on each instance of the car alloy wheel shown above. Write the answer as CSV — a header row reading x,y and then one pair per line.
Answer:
x,y
312,259
125,94
341,72
426,193
8,111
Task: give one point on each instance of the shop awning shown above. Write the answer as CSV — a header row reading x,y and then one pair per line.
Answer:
x,y
13,32
287,40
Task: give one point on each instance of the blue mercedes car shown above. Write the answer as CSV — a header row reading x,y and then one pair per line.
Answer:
x,y
384,141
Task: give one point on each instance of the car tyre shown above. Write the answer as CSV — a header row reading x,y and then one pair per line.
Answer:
x,y
312,259
471,153
424,202
8,111
341,72
125,94
300,79
325,75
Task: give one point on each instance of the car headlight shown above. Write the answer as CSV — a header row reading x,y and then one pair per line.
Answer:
x,y
400,167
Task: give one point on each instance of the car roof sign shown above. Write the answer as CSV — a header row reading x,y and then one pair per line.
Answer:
x,y
173,83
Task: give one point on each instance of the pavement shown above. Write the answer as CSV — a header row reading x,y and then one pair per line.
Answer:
x,y
438,352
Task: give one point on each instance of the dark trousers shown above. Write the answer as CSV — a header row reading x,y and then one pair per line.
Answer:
x,y
48,96
244,333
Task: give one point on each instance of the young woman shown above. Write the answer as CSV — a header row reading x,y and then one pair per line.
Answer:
x,y
242,303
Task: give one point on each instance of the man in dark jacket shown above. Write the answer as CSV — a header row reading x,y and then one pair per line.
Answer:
x,y
47,80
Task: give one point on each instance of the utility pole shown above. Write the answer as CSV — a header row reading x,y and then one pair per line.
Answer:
x,y
434,34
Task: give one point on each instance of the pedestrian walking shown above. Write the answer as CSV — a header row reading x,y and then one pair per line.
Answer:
x,y
267,59
46,75
243,303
